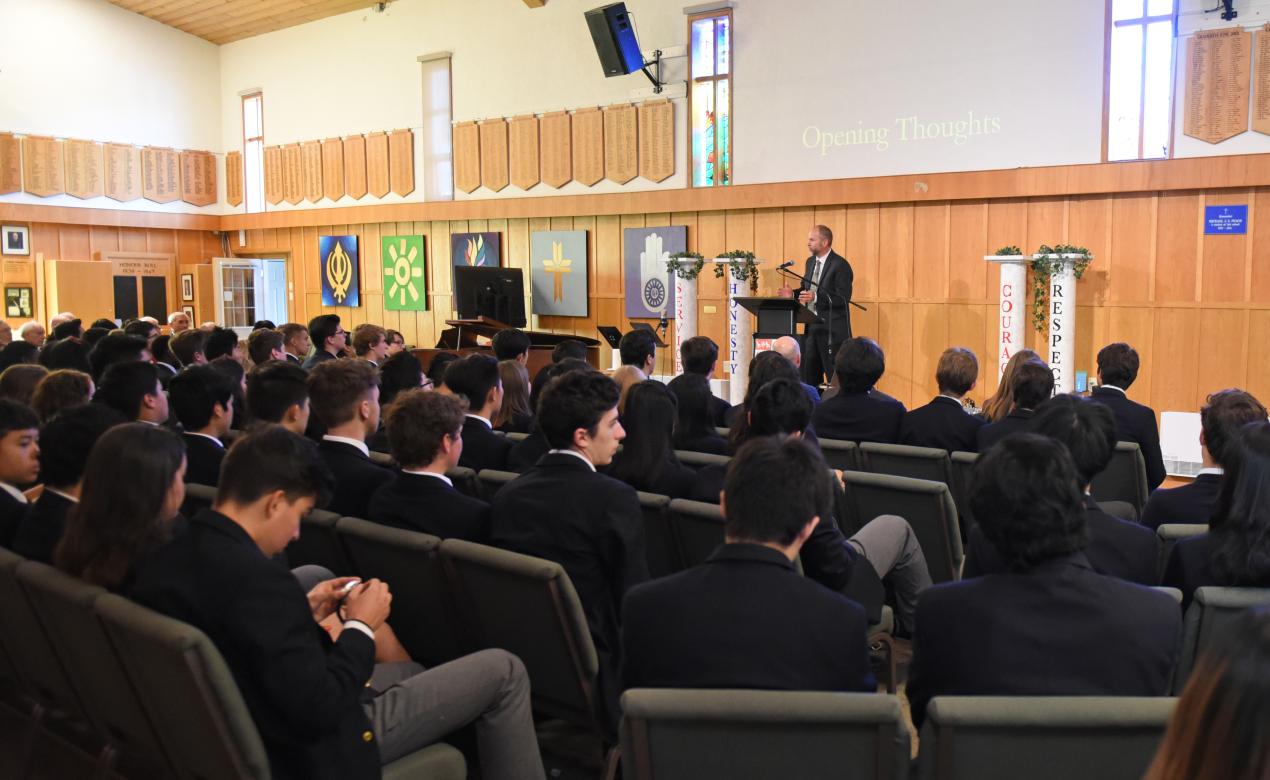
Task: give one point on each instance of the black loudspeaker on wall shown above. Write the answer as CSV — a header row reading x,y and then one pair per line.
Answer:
x,y
614,39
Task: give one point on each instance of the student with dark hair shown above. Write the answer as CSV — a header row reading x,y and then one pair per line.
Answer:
x,y
329,339
188,346
695,429
102,323
19,464
323,707
1117,548
142,329
1058,628
425,432
164,360
1117,369
475,379
1236,550
264,345
202,398
438,365
222,342
1033,383
233,371
765,367
638,348
67,353
512,344
858,412
787,632
66,442
564,510
399,373
18,352
278,392
118,523
18,382
296,341
117,348
396,342
133,390
700,356
647,461
515,415
263,325
370,343
568,349
1222,415
1220,728
61,389
68,329
524,454
344,395
944,423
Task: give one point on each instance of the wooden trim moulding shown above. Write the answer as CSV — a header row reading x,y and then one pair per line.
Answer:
x,y
66,215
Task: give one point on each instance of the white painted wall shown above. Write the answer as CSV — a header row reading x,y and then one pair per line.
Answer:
x,y
87,69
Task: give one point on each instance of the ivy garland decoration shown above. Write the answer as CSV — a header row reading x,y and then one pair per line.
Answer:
x,y
1045,263
743,267
678,266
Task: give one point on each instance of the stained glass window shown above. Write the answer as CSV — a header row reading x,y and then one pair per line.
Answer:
x,y
1140,81
710,98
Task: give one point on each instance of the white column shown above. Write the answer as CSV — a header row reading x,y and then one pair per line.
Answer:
x,y
740,337
1012,309
685,316
1061,346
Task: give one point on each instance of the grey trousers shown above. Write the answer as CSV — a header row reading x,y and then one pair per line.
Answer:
x,y
417,707
889,544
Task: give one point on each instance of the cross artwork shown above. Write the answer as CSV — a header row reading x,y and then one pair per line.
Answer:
x,y
557,265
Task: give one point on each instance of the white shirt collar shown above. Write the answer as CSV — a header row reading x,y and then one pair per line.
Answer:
x,y
361,445
1218,470
575,454
423,473
488,424
17,494
57,492
220,443
1119,390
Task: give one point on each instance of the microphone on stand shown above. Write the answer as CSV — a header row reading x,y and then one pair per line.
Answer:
x,y
661,324
784,265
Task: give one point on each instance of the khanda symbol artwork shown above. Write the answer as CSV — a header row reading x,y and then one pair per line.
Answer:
x,y
339,272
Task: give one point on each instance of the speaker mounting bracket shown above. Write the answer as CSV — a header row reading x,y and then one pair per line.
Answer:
x,y
654,75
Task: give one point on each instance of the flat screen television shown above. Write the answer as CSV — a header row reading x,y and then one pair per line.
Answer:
x,y
496,293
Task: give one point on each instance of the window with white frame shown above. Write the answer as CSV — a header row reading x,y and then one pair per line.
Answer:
x,y
438,136
1140,79
254,151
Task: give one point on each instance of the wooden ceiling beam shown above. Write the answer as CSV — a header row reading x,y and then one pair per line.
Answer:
x,y
224,21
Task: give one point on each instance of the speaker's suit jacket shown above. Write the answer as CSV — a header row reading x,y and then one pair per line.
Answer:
x,y
833,294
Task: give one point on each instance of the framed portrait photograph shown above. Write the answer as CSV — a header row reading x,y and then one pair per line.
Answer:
x,y
187,287
17,302
15,240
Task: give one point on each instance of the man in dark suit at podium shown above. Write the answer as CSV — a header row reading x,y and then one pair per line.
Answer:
x,y
828,300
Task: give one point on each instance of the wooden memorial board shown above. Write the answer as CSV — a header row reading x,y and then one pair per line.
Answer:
x,y
467,156
160,174
10,164
292,174
1260,83
355,166
42,166
621,147
494,175
275,178
123,172
1218,63
377,181
555,131
401,162
523,151
198,178
588,146
311,160
234,178
84,169
656,139
333,168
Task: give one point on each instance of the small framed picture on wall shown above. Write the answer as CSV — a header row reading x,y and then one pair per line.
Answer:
x,y
17,302
187,287
189,312
15,240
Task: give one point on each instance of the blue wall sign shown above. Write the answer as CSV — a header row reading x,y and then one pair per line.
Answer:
x,y
1226,220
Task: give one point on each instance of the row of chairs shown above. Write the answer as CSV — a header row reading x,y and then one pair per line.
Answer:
x,y
141,694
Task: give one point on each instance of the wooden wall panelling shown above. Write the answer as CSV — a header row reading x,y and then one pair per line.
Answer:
x,y
516,235
856,228
606,275
1132,252
895,250
1174,382
1046,223
1255,357
1222,347
930,250
969,326
895,330
333,168
75,242
930,339
401,162
1224,258
1176,246
1136,325
969,277
494,157
1089,225
159,241
769,245
102,239
796,223
1259,233
355,166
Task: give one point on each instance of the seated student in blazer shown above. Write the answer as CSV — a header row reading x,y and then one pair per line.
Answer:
x,y
344,395
425,431
647,461
223,342
1236,550
1056,626
476,380
525,454
564,510
19,464
944,422
1221,417
329,340
638,349
187,347
296,341
1033,383
785,632
66,440
278,392
370,343
788,348
133,390
695,429
397,374
1117,548
858,413
203,400
512,344
264,345
700,356
1117,369
323,706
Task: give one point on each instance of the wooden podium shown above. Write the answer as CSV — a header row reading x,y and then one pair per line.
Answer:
x,y
462,336
775,317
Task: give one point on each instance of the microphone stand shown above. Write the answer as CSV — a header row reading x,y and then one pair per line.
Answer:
x,y
828,319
